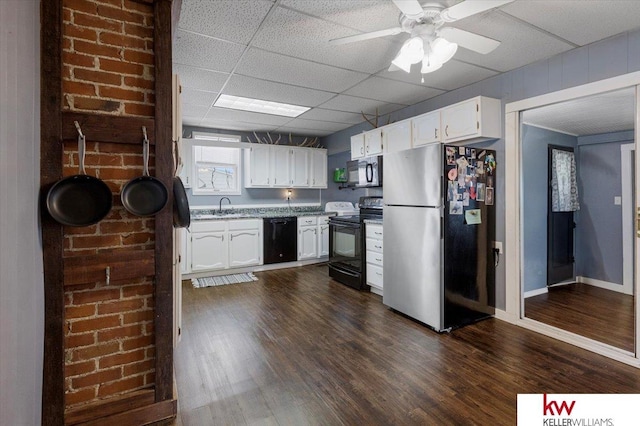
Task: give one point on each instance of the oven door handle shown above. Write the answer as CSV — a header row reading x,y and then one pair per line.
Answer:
x,y
344,271
340,225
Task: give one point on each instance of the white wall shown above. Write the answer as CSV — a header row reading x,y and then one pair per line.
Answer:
x,y
21,277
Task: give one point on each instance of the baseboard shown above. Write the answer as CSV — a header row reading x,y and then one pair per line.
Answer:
x,y
602,284
536,292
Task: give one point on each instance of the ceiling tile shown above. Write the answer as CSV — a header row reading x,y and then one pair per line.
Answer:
x,y
321,114
452,75
394,91
237,125
193,112
216,113
357,105
205,52
580,22
295,34
198,97
233,20
302,123
199,79
302,131
249,87
521,44
364,15
285,69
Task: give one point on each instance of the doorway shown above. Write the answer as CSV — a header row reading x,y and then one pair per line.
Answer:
x,y
593,260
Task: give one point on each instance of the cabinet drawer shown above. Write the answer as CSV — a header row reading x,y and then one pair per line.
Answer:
x,y
375,258
374,245
235,225
323,220
373,231
208,225
374,275
307,220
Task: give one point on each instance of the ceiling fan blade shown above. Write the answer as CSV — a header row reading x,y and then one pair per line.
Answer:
x,y
365,36
469,7
471,41
411,8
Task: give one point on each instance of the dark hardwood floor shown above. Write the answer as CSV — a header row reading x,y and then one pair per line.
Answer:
x,y
297,348
596,313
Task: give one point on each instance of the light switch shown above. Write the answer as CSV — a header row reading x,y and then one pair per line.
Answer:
x,y
617,201
498,245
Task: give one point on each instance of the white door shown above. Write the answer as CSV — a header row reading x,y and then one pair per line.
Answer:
x,y
426,128
318,168
461,120
259,166
357,146
397,136
299,167
323,240
244,248
307,243
208,251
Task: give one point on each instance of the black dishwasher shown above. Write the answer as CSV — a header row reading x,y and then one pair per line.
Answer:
x,y
280,239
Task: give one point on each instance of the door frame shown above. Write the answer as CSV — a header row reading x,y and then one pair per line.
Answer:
x,y
514,294
626,170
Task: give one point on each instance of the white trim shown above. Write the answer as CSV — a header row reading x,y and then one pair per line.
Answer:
x,y
550,128
536,292
506,317
604,284
600,86
513,182
636,211
626,172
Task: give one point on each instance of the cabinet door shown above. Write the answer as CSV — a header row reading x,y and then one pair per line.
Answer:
x,y
208,251
258,166
280,169
244,248
397,136
323,240
299,167
461,120
318,168
426,128
185,251
186,155
357,146
307,242
373,142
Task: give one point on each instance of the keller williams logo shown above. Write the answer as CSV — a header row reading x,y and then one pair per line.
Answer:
x,y
548,407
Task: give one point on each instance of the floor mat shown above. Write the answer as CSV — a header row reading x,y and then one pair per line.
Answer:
x,y
223,280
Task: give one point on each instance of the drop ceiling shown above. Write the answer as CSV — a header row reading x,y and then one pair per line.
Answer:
x,y
279,51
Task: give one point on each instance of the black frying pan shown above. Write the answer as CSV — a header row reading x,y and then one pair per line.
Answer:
x,y
79,200
144,195
181,214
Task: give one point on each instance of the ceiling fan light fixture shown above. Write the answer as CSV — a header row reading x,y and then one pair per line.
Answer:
x,y
443,49
430,64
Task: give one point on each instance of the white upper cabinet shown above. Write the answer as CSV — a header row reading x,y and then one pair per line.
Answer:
x,y
357,146
318,168
280,166
397,136
477,118
373,142
426,128
257,166
299,167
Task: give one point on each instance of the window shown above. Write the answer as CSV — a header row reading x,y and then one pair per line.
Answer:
x,y
216,166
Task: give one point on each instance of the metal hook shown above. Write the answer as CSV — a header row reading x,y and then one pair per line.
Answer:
x,y
78,129
108,274
144,132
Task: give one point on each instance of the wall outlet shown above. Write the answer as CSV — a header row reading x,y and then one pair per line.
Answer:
x,y
497,245
617,200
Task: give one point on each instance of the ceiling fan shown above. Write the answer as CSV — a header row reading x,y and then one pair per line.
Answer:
x,y
431,41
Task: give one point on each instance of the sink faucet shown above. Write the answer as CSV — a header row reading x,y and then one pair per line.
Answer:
x,y
224,198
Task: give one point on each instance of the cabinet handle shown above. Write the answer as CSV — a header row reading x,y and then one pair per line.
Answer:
x,y
378,233
315,232
222,237
379,273
275,181
378,247
435,131
379,260
446,130
367,149
361,150
267,181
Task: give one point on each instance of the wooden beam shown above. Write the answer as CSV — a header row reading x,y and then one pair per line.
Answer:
x,y
122,264
164,219
109,407
107,128
52,232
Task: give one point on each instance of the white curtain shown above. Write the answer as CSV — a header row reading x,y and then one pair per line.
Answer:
x,y
564,186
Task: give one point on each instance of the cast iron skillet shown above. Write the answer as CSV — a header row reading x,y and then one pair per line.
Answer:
x,y
79,200
181,214
144,195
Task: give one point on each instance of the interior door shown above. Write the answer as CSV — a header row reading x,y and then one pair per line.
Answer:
x,y
560,235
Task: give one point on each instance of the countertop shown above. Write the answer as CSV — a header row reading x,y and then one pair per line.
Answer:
x,y
256,213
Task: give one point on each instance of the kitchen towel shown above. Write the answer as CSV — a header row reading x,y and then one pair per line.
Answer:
x,y
223,279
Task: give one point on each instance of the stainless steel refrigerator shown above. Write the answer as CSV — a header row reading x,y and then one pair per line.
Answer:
x,y
439,224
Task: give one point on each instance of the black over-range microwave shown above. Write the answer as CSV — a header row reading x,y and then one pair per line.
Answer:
x,y
365,172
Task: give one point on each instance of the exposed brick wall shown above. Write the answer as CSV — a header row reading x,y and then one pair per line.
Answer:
x,y
108,57
108,69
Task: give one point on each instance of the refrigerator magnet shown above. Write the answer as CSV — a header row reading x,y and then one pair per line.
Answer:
x,y
451,192
480,192
482,154
473,217
461,150
453,174
451,156
489,181
472,193
473,153
455,208
488,197
465,199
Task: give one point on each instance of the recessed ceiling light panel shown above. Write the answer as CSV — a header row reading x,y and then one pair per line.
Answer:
x,y
258,105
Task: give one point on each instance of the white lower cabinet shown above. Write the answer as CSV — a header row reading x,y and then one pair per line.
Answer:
x,y
323,236
374,256
307,237
225,244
